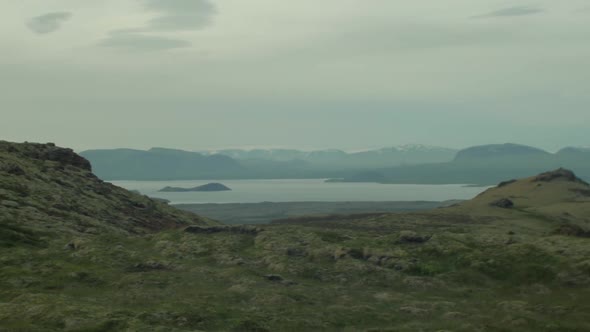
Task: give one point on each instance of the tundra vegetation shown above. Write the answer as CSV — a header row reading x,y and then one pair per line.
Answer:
x,y
79,254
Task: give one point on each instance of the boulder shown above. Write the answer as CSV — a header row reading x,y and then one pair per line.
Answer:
x,y
413,237
503,203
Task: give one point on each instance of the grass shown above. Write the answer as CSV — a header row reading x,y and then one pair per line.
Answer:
x,y
80,255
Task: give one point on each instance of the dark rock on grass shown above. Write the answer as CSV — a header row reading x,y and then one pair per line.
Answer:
x,y
572,230
273,277
413,237
73,245
296,252
248,230
150,266
503,203
13,169
279,279
559,174
161,200
582,192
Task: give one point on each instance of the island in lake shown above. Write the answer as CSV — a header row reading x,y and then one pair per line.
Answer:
x,y
206,187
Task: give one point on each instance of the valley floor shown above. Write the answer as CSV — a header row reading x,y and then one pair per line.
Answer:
x,y
432,271
264,213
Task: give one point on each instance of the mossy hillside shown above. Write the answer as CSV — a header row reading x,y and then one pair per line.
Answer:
x,y
48,188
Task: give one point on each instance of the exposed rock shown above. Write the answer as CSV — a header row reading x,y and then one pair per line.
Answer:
x,y
48,152
413,237
273,277
66,157
248,230
73,245
150,266
571,230
13,169
559,174
296,252
503,203
582,192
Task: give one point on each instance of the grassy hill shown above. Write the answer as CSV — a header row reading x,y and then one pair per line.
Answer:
x,y
81,255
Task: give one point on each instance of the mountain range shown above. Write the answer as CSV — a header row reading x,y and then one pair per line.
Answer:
x,y
171,164
486,164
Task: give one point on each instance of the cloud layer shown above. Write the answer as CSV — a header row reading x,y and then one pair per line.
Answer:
x,y
136,41
180,14
513,11
48,23
171,16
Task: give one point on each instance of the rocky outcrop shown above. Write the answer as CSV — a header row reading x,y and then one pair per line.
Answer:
x,y
503,203
560,174
46,152
48,185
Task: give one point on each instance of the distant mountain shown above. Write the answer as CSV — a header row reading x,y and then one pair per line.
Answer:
x,y
159,164
171,164
386,157
496,151
487,164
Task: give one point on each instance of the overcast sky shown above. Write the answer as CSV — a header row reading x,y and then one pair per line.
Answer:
x,y
350,74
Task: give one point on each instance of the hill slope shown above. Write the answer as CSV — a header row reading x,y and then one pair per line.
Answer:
x,y
51,188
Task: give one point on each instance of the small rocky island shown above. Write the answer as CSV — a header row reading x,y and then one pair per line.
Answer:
x,y
206,187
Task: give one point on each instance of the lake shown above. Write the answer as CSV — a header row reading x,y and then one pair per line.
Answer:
x,y
314,190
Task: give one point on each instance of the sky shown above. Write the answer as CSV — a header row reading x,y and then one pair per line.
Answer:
x,y
308,74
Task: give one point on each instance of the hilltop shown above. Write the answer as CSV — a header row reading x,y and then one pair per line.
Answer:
x,y
475,266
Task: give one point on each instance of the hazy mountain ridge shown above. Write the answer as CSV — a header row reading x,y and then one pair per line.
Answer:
x,y
404,154
159,163
486,164
172,164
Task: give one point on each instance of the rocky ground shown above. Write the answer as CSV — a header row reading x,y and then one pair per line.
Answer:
x,y
77,254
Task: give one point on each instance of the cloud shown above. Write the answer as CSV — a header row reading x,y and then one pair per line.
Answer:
x,y
134,41
180,14
513,11
170,16
49,22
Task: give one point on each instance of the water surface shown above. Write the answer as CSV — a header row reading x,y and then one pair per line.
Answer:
x,y
314,190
